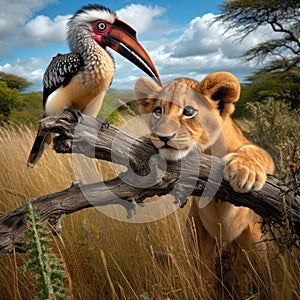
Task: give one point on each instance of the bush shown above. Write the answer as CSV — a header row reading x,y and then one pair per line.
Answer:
x,y
9,99
275,127
30,111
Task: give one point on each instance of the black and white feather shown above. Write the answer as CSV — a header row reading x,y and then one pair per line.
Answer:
x,y
60,71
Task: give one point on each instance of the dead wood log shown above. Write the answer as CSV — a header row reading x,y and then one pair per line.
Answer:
x,y
147,175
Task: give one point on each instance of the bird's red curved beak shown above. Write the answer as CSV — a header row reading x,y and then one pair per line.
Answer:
x,y
122,38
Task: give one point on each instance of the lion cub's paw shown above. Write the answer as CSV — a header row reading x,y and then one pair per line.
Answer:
x,y
243,173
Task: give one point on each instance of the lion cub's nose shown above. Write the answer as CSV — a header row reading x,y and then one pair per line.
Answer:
x,y
166,138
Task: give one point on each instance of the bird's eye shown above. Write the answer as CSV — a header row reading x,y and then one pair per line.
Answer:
x,y
101,26
157,112
189,112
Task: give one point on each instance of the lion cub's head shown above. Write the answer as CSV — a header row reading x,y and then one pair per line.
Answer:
x,y
185,113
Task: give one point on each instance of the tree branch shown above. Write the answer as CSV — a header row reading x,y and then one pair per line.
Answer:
x,y
147,175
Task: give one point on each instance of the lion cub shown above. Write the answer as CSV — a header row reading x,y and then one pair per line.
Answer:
x,y
185,114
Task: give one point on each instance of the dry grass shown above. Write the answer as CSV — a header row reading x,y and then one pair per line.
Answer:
x,y
110,259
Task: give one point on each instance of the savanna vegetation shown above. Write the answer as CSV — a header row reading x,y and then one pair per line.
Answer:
x,y
103,258
98,257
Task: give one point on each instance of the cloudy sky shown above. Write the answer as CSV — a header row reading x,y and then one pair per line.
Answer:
x,y
176,34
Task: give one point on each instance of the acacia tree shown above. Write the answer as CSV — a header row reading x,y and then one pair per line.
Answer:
x,y
275,85
15,82
9,99
281,55
12,97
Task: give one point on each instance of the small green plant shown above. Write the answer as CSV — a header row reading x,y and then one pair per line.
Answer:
x,y
43,264
145,296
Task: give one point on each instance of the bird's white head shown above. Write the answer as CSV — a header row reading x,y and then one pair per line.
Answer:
x,y
89,14
92,13
96,23
80,27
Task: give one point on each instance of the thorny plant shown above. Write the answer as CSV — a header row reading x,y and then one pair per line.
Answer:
x,y
46,267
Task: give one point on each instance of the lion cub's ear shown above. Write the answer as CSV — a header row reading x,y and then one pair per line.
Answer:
x,y
145,91
222,87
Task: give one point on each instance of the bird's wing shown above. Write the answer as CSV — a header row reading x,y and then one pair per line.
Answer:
x,y
60,72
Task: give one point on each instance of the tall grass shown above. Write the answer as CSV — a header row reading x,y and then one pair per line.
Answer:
x,y
109,259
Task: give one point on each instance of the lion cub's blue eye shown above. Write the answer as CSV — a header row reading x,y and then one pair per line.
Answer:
x,y
189,112
157,112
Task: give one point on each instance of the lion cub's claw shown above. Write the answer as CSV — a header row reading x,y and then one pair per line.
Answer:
x,y
243,175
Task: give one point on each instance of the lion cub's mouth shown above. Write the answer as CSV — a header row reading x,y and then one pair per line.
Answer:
x,y
166,146
160,145
171,149
168,143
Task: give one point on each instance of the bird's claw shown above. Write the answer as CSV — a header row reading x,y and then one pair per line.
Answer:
x,y
103,125
76,113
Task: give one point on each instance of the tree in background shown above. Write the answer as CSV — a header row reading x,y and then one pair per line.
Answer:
x,y
9,99
278,78
15,82
15,105
278,86
30,111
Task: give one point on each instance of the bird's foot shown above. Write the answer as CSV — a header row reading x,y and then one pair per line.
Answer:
x,y
76,113
104,125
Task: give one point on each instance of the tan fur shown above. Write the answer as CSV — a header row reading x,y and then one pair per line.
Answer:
x,y
213,132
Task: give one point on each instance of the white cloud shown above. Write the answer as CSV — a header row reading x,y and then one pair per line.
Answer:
x,y
14,14
198,38
13,17
31,69
42,30
205,47
134,13
198,50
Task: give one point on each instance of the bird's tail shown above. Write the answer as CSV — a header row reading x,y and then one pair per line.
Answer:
x,y
42,141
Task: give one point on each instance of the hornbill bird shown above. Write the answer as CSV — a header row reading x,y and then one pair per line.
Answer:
x,y
79,80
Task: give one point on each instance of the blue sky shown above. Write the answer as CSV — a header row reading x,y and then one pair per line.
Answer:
x,y
177,36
